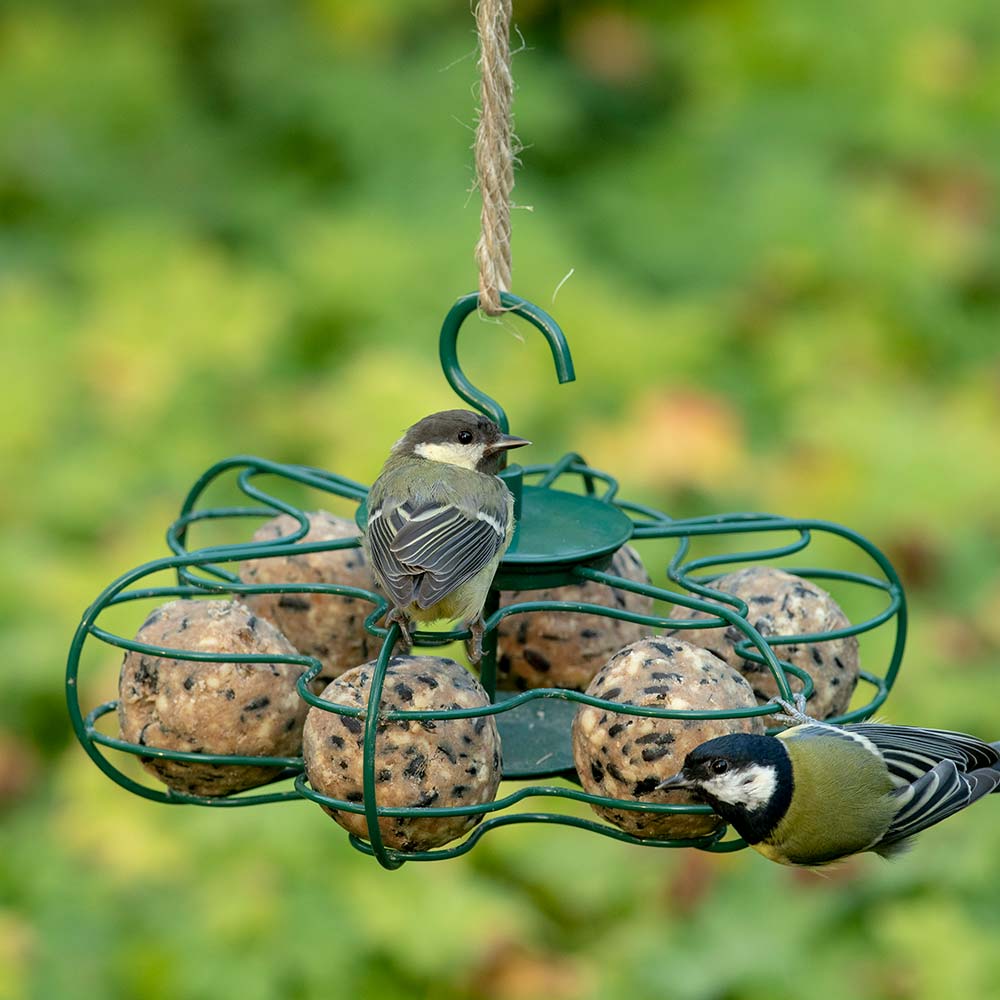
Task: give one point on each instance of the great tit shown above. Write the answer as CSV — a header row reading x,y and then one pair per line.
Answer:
x,y
816,793
439,521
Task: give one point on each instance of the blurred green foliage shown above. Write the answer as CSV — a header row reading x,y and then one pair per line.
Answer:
x,y
235,226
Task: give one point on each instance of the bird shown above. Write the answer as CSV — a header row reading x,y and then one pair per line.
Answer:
x,y
440,520
816,792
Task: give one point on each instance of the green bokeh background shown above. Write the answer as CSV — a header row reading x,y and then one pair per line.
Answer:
x,y
235,227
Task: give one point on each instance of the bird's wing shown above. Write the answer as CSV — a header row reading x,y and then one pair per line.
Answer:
x,y
424,552
382,527
910,753
934,796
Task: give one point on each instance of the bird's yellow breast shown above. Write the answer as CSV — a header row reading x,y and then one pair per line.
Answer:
x,y
841,802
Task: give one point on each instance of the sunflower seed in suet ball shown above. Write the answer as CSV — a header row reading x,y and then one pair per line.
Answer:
x,y
433,762
244,709
780,603
625,756
566,648
330,627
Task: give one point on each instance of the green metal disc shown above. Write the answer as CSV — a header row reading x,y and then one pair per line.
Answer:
x,y
536,737
558,531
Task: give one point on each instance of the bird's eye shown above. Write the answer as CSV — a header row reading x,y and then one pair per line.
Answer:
x,y
720,766
465,437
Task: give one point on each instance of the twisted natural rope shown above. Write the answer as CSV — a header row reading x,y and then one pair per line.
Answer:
x,y
494,152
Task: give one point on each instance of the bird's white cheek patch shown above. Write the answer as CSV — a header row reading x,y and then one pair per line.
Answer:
x,y
751,787
468,456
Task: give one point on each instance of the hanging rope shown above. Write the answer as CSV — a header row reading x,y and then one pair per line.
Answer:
x,y
494,152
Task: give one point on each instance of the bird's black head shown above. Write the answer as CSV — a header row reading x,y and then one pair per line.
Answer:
x,y
747,779
459,437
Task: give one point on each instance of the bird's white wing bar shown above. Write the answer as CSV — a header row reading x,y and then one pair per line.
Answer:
x,y
499,528
824,730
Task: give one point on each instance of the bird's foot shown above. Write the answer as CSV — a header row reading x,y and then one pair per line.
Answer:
x,y
474,644
398,617
793,712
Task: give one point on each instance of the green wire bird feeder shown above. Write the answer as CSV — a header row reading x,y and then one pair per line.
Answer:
x,y
563,536
570,522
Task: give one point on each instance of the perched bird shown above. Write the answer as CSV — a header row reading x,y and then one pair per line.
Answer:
x,y
816,793
439,520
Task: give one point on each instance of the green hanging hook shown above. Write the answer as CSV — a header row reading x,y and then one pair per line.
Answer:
x,y
540,319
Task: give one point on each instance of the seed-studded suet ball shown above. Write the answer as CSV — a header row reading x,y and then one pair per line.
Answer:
x,y
778,604
437,762
816,793
244,709
625,756
566,648
439,520
330,627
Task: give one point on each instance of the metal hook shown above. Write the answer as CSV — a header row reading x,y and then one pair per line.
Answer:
x,y
540,319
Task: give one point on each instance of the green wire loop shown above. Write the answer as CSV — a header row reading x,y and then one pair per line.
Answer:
x,y
458,380
368,764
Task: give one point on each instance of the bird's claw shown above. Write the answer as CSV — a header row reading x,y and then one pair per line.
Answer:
x,y
474,644
398,617
794,711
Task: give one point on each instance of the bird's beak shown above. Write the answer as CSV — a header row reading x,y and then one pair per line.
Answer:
x,y
505,442
676,781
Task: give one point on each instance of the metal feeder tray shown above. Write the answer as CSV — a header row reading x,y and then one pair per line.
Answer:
x,y
561,538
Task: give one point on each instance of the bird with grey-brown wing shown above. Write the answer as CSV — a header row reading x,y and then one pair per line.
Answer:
x,y
439,521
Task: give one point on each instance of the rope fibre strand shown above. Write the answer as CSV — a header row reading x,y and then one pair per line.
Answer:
x,y
494,153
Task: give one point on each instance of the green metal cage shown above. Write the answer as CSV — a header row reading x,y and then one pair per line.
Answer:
x,y
570,521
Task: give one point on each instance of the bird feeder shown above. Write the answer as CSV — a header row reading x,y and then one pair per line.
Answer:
x,y
570,520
